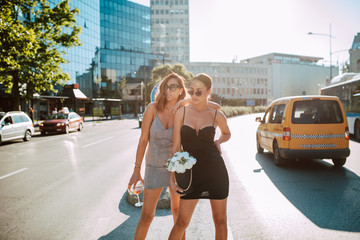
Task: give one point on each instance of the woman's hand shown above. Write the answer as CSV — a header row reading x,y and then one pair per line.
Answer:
x,y
175,188
136,177
217,144
180,104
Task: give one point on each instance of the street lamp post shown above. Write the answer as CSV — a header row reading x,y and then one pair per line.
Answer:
x,y
330,36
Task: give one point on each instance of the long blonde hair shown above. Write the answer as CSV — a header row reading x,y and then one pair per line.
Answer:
x,y
160,97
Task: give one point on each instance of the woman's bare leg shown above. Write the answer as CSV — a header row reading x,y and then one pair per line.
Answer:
x,y
218,208
151,197
175,202
186,209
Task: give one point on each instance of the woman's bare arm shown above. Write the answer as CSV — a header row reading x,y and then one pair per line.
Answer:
x,y
178,122
149,115
225,135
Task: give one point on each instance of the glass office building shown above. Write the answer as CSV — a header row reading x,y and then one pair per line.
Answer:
x,y
125,51
83,66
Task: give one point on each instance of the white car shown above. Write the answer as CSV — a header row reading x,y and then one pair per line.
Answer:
x,y
15,125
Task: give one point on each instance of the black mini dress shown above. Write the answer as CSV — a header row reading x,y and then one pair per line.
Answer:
x,y
210,178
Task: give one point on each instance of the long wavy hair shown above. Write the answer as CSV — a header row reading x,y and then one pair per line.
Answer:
x,y
160,97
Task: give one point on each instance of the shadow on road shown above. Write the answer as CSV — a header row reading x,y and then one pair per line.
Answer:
x,y
352,138
127,229
326,195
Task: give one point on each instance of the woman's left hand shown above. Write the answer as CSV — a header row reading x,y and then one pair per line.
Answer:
x,y
179,104
217,144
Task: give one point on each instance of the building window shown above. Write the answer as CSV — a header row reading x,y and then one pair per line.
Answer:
x,y
358,65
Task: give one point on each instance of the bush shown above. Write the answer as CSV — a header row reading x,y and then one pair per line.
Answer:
x,y
231,111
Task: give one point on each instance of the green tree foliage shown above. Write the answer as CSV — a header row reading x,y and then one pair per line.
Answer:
x,y
345,67
122,87
158,73
33,37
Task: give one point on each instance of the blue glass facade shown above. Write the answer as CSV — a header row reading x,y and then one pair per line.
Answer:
x,y
83,66
125,50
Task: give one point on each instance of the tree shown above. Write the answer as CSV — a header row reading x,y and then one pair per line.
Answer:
x,y
158,73
122,88
33,38
345,67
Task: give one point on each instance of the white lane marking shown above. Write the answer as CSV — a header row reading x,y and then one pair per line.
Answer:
x,y
13,173
93,143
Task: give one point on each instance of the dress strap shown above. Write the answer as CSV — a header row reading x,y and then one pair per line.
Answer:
x,y
184,115
215,118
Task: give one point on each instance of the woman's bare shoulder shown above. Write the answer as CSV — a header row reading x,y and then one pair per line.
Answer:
x,y
151,107
220,116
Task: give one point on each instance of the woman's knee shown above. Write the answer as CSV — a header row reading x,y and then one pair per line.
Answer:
x,y
220,222
175,210
182,223
147,217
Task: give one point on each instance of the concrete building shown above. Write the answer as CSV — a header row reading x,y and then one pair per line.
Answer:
x,y
294,74
267,77
238,80
355,55
170,30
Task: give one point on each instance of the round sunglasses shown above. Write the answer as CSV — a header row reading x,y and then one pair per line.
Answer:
x,y
172,87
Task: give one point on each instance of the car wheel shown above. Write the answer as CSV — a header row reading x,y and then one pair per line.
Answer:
x,y
43,133
357,130
338,162
66,129
27,136
278,160
0,140
80,127
258,147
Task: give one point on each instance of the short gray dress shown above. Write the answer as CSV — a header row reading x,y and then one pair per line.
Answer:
x,y
159,151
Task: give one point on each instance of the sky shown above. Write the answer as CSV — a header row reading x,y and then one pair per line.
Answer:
x,y
223,30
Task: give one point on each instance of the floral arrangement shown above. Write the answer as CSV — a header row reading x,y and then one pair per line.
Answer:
x,y
180,162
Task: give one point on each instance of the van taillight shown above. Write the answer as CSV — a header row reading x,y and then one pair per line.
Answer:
x,y
347,134
286,134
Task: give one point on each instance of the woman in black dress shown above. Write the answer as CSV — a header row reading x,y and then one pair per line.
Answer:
x,y
194,130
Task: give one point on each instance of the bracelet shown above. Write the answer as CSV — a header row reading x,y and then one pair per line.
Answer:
x,y
137,167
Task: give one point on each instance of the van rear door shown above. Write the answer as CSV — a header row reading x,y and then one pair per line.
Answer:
x,y
317,124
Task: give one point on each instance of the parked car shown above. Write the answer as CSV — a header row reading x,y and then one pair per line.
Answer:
x,y
304,127
62,122
15,125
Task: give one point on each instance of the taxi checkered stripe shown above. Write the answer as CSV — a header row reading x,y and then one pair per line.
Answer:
x,y
317,136
318,145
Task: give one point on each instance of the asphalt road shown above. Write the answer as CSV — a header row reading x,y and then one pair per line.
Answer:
x,y
74,187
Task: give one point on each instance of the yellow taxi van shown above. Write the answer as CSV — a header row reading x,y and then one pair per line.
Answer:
x,y
304,127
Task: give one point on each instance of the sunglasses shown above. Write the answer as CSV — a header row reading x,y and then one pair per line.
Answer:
x,y
172,87
197,93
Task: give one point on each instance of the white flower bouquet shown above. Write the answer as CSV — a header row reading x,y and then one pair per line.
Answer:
x,y
180,162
